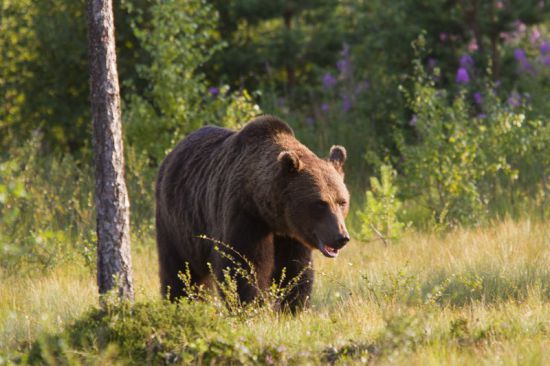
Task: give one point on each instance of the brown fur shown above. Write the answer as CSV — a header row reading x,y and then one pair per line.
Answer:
x,y
259,190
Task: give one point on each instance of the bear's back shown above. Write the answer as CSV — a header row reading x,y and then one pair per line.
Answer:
x,y
188,164
261,128
201,165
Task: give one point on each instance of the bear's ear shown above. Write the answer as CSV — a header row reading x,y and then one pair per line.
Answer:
x,y
290,161
337,157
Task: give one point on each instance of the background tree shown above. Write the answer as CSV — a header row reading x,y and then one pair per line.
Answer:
x,y
114,269
275,42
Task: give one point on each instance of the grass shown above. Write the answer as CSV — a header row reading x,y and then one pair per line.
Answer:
x,y
469,296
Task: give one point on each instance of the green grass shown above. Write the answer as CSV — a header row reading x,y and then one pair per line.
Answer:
x,y
471,296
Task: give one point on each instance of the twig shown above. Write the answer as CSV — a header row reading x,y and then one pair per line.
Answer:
x,y
379,234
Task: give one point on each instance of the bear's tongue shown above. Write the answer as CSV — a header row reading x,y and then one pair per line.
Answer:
x,y
327,251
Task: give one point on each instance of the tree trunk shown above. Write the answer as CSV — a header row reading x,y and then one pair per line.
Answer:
x,y
114,268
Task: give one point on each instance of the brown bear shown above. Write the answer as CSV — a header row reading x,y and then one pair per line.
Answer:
x,y
260,191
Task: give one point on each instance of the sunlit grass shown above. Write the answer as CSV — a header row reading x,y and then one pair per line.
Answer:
x,y
469,296
45,303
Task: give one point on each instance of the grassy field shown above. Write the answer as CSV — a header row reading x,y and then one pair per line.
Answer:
x,y
470,296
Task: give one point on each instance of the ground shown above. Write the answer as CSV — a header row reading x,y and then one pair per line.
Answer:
x,y
470,296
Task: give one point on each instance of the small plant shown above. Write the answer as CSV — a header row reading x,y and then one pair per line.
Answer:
x,y
404,333
456,289
394,289
241,272
379,215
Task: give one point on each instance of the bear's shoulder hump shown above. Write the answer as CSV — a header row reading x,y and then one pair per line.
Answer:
x,y
265,126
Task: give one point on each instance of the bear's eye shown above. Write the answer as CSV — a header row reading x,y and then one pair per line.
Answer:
x,y
320,205
341,203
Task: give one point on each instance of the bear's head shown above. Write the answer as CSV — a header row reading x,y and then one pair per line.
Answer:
x,y
316,199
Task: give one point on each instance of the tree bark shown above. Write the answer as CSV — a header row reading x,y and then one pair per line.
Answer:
x,y
114,267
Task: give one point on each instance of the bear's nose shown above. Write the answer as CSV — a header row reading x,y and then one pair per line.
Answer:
x,y
341,241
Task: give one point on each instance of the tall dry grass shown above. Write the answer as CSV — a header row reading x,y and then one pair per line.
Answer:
x,y
471,295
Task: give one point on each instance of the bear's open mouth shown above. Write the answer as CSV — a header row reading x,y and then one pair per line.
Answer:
x,y
327,251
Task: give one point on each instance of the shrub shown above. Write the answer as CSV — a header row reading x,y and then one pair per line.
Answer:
x,y
152,333
379,215
178,37
464,155
46,214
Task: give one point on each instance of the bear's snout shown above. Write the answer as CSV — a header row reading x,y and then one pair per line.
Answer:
x,y
341,241
331,248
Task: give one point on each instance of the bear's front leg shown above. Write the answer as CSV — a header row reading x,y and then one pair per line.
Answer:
x,y
248,257
294,260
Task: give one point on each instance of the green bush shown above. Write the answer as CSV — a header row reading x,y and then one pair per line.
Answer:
x,y
379,215
178,37
46,210
529,91
152,333
463,160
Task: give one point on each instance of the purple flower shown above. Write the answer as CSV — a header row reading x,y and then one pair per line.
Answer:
x,y
413,120
310,121
546,60
466,61
325,107
343,66
328,80
481,116
526,65
544,48
214,91
519,55
514,100
462,76
478,98
346,103
443,36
